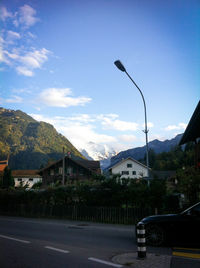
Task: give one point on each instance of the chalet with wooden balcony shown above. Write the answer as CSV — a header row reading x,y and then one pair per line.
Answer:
x,y
73,170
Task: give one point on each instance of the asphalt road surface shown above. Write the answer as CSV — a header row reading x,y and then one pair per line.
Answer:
x,y
70,244
52,243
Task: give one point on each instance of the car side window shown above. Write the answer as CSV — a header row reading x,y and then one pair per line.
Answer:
x,y
195,211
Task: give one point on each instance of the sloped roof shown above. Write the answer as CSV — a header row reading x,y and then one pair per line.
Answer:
x,y
84,164
4,162
93,165
192,131
25,173
3,165
123,160
164,174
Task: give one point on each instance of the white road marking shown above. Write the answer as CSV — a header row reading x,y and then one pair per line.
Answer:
x,y
15,239
105,262
57,249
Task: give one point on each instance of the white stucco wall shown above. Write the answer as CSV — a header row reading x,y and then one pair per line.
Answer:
x,y
141,171
29,181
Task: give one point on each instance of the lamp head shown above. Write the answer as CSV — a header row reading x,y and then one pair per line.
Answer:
x,y
120,66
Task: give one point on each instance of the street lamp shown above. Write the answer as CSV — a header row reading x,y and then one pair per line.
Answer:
x,y
63,172
121,67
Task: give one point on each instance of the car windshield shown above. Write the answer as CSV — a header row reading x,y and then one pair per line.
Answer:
x,y
196,205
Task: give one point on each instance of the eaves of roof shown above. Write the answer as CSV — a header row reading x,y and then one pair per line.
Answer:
x,y
25,173
2,167
91,164
192,131
123,160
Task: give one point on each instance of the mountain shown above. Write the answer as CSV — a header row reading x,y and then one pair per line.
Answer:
x,y
85,154
30,143
139,152
98,151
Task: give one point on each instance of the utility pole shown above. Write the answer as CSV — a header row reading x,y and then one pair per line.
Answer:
x,y
63,172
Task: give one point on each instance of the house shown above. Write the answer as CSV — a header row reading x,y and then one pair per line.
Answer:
x,y
163,174
74,170
129,168
169,176
94,166
3,165
192,134
26,177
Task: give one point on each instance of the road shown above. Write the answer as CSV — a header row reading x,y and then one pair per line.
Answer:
x,y
51,243
61,243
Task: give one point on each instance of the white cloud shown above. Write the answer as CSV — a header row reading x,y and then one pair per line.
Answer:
x,y
31,35
27,16
21,91
14,99
83,135
24,71
3,57
23,58
4,13
149,125
156,137
26,62
61,97
1,50
12,36
110,122
176,127
182,125
12,55
35,59
83,118
127,138
40,117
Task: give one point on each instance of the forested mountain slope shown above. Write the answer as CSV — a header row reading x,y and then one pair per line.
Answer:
x,y
29,143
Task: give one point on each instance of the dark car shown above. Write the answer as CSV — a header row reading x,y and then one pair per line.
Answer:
x,y
174,229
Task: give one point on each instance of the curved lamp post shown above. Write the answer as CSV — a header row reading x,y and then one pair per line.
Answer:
x,y
121,67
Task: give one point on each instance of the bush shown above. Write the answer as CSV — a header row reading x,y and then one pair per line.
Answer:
x,y
7,180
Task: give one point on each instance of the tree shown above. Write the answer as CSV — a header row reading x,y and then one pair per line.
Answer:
x,y
189,183
7,180
157,193
175,159
152,158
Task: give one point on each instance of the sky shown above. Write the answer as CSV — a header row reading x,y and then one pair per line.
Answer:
x,y
57,65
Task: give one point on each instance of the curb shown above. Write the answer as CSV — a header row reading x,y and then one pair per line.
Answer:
x,y
151,260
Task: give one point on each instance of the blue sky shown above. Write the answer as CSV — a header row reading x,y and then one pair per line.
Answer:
x,y
57,65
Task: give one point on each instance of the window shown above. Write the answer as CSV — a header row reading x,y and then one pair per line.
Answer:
x,y
69,171
125,172
129,165
19,179
51,172
30,179
60,170
134,172
81,172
